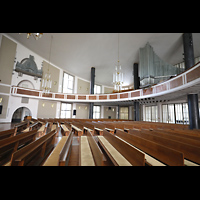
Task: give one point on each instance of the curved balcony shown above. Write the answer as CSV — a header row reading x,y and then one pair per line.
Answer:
x,y
177,87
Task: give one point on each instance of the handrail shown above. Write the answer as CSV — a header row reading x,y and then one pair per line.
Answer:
x,y
186,79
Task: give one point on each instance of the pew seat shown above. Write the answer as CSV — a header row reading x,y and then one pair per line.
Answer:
x,y
86,158
53,159
121,161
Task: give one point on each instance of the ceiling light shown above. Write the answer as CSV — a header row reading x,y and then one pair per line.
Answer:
x,y
35,35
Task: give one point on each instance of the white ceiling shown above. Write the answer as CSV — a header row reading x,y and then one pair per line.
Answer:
x,y
78,52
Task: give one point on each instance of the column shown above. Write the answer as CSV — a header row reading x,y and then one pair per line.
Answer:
x,y
136,78
92,91
136,86
188,50
136,111
193,107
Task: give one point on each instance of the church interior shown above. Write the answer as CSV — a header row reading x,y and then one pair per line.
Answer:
x,y
99,99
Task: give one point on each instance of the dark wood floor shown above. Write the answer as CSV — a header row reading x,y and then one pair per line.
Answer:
x,y
74,156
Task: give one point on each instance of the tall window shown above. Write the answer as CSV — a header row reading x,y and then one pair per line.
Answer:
x,y
123,113
179,113
97,89
151,113
66,110
165,114
171,114
154,116
185,113
68,83
148,113
96,112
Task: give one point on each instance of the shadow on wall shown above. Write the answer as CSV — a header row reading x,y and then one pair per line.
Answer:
x,y
20,113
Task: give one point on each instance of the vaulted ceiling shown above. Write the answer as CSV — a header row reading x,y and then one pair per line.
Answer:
x,y
76,53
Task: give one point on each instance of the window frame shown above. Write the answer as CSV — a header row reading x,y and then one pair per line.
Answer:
x,y
72,90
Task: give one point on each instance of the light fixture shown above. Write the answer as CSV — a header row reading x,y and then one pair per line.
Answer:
x,y
35,35
118,74
46,81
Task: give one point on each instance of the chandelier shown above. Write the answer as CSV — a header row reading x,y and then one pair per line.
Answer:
x,y
118,74
35,35
46,81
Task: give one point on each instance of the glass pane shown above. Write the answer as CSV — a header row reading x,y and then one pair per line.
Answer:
x,y
69,91
68,114
165,114
62,114
171,113
97,115
63,106
69,106
179,113
185,113
126,116
148,113
154,114
70,84
71,78
98,89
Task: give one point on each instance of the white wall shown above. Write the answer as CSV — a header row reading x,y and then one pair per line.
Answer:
x,y
15,102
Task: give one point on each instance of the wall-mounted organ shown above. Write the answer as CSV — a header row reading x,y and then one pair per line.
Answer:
x,y
29,67
152,69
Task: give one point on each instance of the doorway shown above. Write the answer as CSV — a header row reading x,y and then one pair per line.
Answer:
x,y
19,114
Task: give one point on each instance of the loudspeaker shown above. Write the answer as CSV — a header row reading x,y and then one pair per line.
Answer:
x,y
74,112
1,107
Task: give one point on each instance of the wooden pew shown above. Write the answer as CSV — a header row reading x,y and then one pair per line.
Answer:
x,y
61,152
85,154
10,145
189,134
160,152
20,127
7,133
125,154
77,127
42,130
109,127
96,151
64,130
190,152
39,148
98,128
168,135
87,126
34,126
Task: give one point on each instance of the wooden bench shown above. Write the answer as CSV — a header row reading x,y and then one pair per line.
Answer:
x,y
109,127
10,145
96,151
98,128
87,126
190,152
77,128
120,153
42,130
7,133
60,154
55,126
64,130
20,126
39,149
166,155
